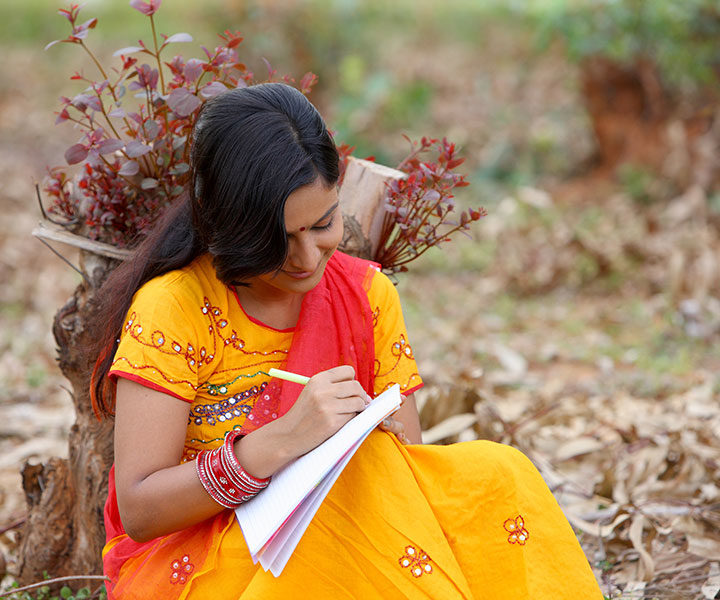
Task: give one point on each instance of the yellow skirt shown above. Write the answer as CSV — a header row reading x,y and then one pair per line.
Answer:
x,y
473,520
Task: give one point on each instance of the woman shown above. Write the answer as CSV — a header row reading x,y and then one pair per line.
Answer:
x,y
244,277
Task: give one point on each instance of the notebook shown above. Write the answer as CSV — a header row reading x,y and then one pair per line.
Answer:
x,y
274,521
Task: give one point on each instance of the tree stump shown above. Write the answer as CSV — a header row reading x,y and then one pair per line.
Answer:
x,y
64,533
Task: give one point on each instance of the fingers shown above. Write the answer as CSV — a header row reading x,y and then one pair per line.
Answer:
x,y
395,427
337,391
338,374
355,404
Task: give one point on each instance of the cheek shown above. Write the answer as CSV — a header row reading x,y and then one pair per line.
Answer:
x,y
335,233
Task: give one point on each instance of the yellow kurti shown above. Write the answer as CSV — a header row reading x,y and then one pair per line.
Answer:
x,y
471,520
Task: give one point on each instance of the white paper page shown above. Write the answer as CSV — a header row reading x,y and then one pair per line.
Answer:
x,y
277,551
262,516
282,546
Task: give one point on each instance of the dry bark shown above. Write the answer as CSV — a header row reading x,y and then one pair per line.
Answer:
x,y
638,120
64,533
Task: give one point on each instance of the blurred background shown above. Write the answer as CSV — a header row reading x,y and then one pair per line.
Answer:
x,y
580,321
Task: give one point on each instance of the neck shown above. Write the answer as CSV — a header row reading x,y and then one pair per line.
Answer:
x,y
280,311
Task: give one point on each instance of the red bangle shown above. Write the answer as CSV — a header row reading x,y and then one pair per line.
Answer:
x,y
223,477
245,479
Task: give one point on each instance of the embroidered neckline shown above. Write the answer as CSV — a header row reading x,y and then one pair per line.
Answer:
x,y
258,321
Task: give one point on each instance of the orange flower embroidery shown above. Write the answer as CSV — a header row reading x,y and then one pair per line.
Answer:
x,y
416,560
181,569
516,528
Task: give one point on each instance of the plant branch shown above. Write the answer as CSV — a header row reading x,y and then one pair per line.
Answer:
x,y
157,56
14,525
32,586
45,215
66,261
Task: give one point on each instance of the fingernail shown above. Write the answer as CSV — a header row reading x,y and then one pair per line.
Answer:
x,y
386,423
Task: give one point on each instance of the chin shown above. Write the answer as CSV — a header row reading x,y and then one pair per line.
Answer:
x,y
299,286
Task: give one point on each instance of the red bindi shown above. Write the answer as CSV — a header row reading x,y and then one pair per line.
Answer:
x,y
302,228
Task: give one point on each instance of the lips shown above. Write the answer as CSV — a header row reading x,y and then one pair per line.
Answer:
x,y
299,274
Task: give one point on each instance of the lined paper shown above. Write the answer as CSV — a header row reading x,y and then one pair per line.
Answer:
x,y
273,522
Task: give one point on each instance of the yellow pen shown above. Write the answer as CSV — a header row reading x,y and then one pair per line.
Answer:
x,y
287,376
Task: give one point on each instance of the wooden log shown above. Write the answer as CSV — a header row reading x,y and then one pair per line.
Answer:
x,y
362,201
55,233
48,529
65,533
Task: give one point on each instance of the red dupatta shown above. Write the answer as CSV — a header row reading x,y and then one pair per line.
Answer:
x,y
335,328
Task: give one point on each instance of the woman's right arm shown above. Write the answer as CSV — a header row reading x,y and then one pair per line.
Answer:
x,y
157,495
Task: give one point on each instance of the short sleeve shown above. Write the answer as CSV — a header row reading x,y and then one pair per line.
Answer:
x,y
394,360
158,341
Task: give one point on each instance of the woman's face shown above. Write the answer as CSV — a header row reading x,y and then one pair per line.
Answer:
x,y
314,226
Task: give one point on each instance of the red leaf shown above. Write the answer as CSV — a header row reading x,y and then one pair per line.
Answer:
x,y
135,149
128,50
307,82
90,24
193,69
212,89
62,116
129,168
179,37
110,145
182,102
146,8
75,154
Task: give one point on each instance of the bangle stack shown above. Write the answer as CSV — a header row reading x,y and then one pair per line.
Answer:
x,y
222,476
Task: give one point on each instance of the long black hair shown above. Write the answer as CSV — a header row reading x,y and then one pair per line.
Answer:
x,y
251,148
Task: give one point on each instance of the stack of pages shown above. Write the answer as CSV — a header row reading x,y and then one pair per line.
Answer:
x,y
274,521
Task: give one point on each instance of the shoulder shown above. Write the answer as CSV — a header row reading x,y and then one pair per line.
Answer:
x,y
367,274
191,284
382,291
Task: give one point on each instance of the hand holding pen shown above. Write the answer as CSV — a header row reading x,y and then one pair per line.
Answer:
x,y
388,424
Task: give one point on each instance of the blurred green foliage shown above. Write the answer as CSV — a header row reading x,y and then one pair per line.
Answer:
x,y
357,47
679,36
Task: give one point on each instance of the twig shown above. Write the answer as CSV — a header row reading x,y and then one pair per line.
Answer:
x,y
537,414
54,580
96,593
45,215
66,261
14,525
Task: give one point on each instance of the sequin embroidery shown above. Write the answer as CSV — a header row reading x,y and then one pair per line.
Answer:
x,y
181,569
516,528
416,560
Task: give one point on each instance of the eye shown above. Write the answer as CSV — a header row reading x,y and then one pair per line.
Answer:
x,y
327,225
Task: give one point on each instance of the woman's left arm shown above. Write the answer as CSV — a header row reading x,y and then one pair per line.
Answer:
x,y
405,422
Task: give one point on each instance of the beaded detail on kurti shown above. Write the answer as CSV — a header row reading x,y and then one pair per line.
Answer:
x,y
187,334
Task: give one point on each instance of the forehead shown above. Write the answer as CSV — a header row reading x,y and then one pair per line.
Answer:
x,y
309,204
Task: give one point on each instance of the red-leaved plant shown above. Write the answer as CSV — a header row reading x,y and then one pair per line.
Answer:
x,y
133,154
419,207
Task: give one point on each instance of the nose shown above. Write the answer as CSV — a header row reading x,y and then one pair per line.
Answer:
x,y
303,253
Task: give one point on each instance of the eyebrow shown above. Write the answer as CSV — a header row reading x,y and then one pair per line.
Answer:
x,y
325,216
328,213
